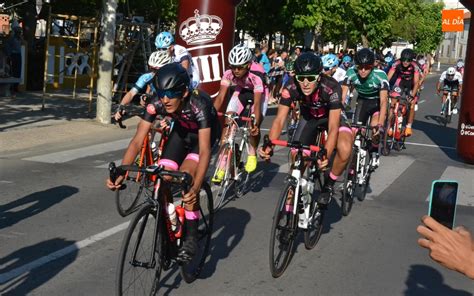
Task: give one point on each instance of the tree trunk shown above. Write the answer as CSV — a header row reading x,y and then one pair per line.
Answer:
x,y
365,41
106,58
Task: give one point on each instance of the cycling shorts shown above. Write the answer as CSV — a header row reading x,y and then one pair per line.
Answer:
x,y
365,108
307,130
451,86
182,145
240,98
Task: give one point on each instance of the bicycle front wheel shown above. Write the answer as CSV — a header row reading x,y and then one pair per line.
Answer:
x,y
223,168
283,233
139,266
350,183
315,223
388,139
191,270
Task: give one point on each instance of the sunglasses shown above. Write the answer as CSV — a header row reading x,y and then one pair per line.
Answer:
x,y
364,67
406,60
309,78
169,93
327,69
239,67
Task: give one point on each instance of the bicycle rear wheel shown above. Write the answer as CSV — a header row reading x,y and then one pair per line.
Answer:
x,y
315,223
283,233
135,185
349,185
191,270
139,267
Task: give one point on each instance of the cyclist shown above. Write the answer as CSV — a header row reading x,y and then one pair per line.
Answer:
x,y
452,82
404,76
144,83
319,97
379,61
188,147
330,67
239,85
460,66
179,54
346,63
372,88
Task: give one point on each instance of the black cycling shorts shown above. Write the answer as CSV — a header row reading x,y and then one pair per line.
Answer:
x,y
452,86
307,130
365,108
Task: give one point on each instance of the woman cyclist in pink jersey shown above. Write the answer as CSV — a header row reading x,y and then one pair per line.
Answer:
x,y
244,82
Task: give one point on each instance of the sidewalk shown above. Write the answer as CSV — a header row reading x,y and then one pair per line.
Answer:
x,y
23,125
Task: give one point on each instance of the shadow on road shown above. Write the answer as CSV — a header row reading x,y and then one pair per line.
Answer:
x,y
33,204
439,134
16,279
229,228
426,281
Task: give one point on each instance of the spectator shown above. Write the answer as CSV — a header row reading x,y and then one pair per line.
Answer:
x,y
454,249
264,60
13,51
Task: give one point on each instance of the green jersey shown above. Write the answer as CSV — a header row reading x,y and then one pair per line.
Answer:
x,y
370,87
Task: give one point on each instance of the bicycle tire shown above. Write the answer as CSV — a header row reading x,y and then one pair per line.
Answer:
x,y
191,270
243,177
224,186
361,190
387,142
141,233
286,239
315,224
127,199
349,185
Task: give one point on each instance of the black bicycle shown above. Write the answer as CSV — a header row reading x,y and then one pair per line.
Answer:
x,y
151,244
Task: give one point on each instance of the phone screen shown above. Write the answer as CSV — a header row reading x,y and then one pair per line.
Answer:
x,y
443,202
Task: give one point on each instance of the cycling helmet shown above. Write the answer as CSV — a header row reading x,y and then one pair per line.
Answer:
x,y
364,57
172,77
379,57
240,55
407,54
388,59
451,71
330,61
158,59
164,40
346,59
460,64
308,64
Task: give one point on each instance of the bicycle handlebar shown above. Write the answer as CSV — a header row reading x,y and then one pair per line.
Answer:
x,y
235,117
296,145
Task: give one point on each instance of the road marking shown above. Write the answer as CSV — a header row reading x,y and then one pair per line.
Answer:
x,y
68,155
464,177
106,165
421,102
389,170
6,182
5,277
430,145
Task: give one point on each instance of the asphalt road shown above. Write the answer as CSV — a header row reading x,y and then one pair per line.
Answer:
x,y
60,233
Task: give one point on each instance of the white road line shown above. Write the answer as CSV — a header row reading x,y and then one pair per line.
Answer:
x,y
430,145
68,155
464,177
421,102
7,276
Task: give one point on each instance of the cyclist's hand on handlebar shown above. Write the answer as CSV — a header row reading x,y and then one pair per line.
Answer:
x,y
265,153
378,130
164,124
323,163
119,112
114,186
254,131
190,197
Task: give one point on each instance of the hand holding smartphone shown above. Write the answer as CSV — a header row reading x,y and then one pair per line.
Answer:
x,y
443,201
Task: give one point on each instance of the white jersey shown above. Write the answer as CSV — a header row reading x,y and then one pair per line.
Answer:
x,y
180,54
457,77
339,74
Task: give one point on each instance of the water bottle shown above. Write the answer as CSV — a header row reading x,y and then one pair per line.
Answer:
x,y
304,201
154,151
400,120
172,216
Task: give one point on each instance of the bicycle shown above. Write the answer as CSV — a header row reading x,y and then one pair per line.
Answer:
x,y
137,184
232,157
292,121
447,109
360,167
151,245
396,121
307,215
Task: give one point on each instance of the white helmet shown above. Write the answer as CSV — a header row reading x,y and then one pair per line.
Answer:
x,y
460,64
240,55
159,58
451,71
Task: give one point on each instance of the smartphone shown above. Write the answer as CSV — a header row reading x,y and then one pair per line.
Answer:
x,y
443,199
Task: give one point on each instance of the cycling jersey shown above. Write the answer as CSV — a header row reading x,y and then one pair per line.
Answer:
x,y
143,81
401,73
456,79
370,87
326,97
180,54
250,81
339,75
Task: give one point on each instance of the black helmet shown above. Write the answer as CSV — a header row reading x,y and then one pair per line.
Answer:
x,y
172,77
308,64
379,57
364,57
407,54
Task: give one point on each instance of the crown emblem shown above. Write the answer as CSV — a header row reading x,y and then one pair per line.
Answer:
x,y
200,28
